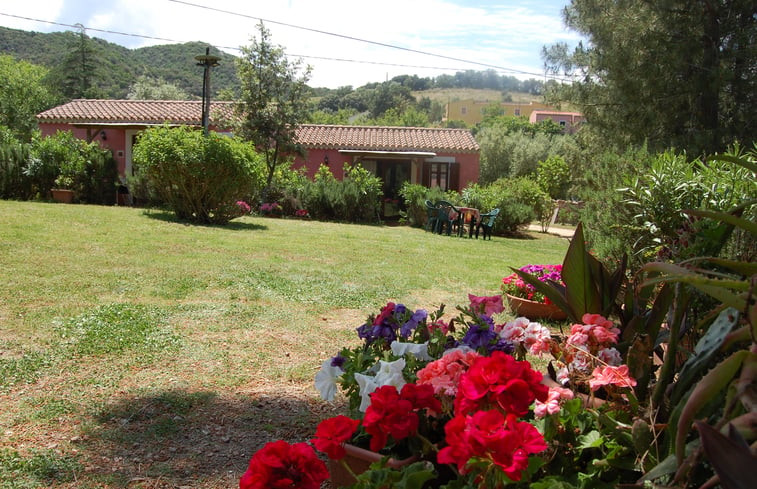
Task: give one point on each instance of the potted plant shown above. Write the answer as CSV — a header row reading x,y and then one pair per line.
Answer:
x,y
63,189
525,299
434,402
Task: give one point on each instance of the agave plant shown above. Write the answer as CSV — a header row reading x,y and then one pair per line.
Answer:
x,y
692,401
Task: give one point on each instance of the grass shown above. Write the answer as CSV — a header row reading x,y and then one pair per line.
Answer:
x,y
137,350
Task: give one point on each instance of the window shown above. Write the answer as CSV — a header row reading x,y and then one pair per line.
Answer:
x,y
439,176
517,112
562,123
463,110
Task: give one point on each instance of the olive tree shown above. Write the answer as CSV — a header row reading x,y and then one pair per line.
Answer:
x,y
274,100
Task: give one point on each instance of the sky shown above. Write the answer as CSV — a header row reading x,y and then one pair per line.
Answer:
x,y
346,42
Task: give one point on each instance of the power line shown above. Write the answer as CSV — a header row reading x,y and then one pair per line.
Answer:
x,y
342,60
352,38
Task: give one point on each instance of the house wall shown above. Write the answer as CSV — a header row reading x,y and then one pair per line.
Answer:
x,y
472,111
469,164
115,139
571,121
316,156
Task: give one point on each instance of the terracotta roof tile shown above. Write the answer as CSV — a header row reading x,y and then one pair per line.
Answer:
x,y
88,111
386,138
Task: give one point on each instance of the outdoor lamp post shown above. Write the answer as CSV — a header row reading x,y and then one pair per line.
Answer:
x,y
207,61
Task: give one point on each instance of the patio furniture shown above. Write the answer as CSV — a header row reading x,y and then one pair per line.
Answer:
x,y
446,215
431,212
469,216
486,223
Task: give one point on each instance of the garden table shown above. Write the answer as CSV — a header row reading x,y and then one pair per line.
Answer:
x,y
463,216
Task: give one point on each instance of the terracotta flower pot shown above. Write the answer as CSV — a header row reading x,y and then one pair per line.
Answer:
x,y
534,310
359,459
63,195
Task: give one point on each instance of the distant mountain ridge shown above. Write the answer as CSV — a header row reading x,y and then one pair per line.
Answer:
x,y
119,67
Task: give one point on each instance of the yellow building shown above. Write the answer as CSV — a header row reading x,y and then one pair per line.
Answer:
x,y
472,111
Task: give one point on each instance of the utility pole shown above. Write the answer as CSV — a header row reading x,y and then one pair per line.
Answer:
x,y
207,61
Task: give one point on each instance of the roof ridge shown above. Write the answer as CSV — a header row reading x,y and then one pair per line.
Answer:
x,y
348,126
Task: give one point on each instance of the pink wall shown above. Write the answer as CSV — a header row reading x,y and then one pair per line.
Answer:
x,y
315,157
115,139
469,164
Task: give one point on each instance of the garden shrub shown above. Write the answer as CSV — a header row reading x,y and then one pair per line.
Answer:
x,y
64,161
414,197
356,198
603,213
199,177
14,156
553,176
519,200
651,204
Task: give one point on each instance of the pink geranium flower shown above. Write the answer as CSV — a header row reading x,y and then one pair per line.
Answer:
x,y
486,305
552,404
610,375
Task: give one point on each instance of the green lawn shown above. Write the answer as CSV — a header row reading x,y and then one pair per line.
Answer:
x,y
137,350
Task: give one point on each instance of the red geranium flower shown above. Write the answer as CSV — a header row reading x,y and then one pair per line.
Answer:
x,y
279,465
499,381
421,397
493,436
387,415
332,433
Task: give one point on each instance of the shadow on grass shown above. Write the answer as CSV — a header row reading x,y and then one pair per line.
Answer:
x,y
181,437
167,216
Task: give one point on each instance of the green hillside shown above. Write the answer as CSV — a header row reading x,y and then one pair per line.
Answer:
x,y
118,67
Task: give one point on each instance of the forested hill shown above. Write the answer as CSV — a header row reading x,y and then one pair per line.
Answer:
x,y
116,68
109,70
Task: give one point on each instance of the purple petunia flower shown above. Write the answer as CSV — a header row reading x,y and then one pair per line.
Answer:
x,y
478,337
338,361
407,329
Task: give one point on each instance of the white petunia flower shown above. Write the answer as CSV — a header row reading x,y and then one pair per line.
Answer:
x,y
367,385
420,351
325,380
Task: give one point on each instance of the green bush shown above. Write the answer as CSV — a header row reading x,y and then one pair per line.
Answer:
x,y
604,213
199,177
14,155
553,176
415,196
519,200
655,201
356,198
64,161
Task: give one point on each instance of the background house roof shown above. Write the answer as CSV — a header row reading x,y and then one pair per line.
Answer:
x,y
368,138
386,138
88,111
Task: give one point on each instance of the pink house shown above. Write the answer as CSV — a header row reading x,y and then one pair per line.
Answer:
x,y
447,158
569,121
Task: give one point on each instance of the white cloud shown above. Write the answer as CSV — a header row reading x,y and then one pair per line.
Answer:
x,y
509,35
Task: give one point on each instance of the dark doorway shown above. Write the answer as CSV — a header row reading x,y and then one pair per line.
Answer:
x,y
393,173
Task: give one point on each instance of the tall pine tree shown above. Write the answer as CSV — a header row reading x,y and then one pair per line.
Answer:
x,y
672,73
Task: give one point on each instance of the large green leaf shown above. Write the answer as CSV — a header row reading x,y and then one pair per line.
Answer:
x,y
730,456
580,292
711,384
704,351
749,165
726,217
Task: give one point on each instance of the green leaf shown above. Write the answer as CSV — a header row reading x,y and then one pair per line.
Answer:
x,y
749,165
730,456
577,274
707,346
591,439
726,217
710,385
